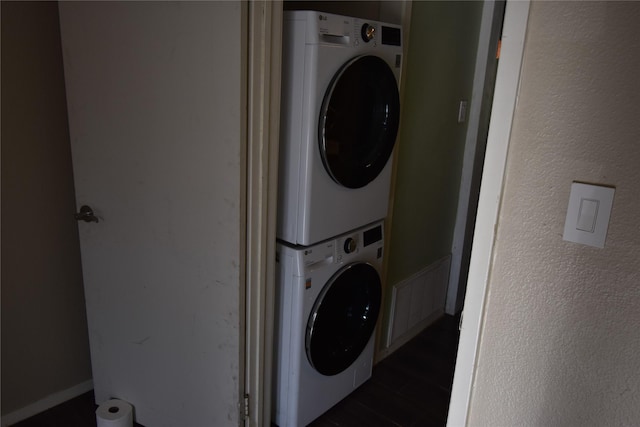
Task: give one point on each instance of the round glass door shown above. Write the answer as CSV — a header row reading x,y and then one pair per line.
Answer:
x,y
343,318
359,121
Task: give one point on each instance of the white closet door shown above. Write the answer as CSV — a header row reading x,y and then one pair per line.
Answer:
x,y
155,98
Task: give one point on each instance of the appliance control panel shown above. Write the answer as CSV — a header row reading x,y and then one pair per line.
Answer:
x,y
321,253
365,239
344,248
346,30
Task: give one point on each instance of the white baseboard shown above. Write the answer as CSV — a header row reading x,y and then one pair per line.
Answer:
x,y
46,403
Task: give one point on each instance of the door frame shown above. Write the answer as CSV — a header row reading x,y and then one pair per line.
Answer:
x,y
504,103
263,56
474,151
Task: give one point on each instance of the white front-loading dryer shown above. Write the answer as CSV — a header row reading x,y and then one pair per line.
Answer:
x,y
327,305
340,114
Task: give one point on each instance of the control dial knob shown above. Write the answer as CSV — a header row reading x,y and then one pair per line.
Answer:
x,y
349,245
367,31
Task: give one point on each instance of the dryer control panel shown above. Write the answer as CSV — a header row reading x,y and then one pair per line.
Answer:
x,y
345,30
369,239
365,243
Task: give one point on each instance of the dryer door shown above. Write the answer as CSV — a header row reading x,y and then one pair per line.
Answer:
x,y
343,318
359,121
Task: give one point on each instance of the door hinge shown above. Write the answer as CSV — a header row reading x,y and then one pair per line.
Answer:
x,y
245,412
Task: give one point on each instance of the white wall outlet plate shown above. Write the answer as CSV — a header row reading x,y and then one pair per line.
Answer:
x,y
588,214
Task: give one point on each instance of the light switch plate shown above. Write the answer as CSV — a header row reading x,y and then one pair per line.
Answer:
x,y
588,214
462,112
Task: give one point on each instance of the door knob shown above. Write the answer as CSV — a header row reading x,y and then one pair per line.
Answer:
x,y
86,215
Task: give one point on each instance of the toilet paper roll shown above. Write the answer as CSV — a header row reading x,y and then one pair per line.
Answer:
x,y
114,413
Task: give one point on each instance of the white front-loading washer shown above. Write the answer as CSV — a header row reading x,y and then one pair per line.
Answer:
x,y
340,114
327,304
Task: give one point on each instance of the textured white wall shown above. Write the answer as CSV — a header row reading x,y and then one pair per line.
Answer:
x,y
561,335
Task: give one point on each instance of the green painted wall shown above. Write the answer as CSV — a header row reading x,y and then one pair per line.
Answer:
x,y
440,65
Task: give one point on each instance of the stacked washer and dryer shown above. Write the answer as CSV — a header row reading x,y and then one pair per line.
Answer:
x,y
340,117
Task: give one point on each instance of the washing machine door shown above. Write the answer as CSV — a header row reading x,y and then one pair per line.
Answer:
x,y
343,318
359,121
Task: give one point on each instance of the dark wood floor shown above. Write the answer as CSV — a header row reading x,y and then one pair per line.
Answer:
x,y
78,412
410,388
